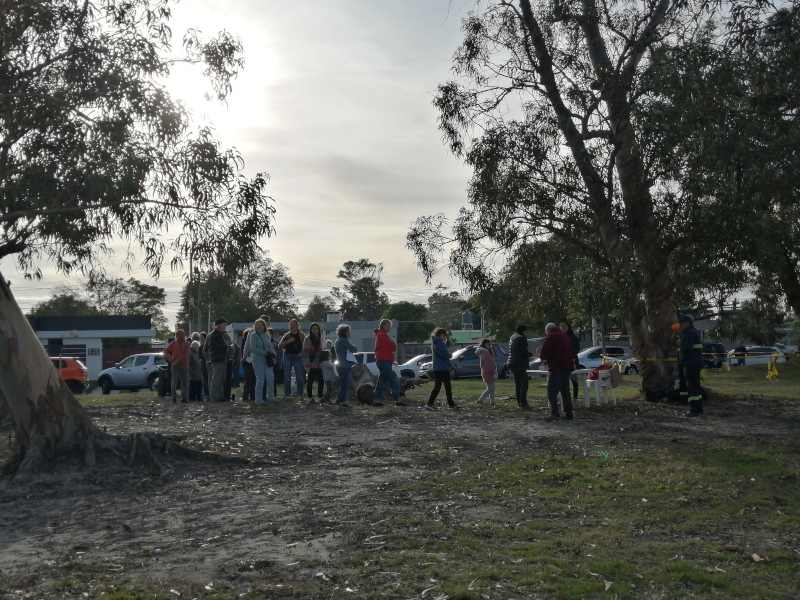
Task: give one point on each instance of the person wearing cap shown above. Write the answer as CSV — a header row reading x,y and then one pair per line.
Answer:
x,y
519,357
690,361
216,353
557,351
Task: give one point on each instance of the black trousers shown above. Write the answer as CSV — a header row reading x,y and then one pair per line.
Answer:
x,y
312,376
249,387
442,379
196,390
558,383
691,375
228,380
520,385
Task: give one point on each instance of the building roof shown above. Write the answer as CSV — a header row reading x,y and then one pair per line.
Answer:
x,y
93,323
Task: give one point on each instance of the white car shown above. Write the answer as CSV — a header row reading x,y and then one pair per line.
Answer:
x,y
591,358
758,355
368,358
133,373
410,368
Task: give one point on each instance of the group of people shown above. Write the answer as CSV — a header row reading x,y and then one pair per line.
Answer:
x,y
205,366
560,350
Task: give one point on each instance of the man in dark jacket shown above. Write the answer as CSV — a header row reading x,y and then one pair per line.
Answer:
x,y
690,361
519,358
557,351
216,353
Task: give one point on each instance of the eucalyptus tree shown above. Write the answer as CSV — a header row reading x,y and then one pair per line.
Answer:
x,y
738,105
546,109
93,152
360,295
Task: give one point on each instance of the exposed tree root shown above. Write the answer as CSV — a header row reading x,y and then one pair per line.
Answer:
x,y
150,450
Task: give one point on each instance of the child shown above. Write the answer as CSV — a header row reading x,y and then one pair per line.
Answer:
x,y
328,373
488,369
195,373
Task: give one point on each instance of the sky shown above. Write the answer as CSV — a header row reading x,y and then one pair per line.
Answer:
x,y
335,104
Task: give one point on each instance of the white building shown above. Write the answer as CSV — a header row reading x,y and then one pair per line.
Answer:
x,y
84,338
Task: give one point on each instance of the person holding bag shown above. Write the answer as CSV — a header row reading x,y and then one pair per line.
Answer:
x,y
260,347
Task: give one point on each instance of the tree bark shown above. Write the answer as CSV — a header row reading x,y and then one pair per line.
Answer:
x,y
789,280
46,419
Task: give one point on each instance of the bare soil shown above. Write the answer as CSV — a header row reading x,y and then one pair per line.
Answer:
x,y
318,479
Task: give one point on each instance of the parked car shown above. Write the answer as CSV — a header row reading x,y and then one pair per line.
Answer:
x,y
466,363
758,355
133,373
591,358
368,358
714,355
410,368
73,372
788,351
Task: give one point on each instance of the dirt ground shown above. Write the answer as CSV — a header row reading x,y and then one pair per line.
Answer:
x,y
318,477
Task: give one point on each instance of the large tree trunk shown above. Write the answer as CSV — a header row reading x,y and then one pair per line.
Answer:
x,y
789,280
46,418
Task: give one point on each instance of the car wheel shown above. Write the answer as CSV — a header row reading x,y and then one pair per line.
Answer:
x,y
631,370
453,374
580,366
506,373
152,380
75,387
407,374
107,386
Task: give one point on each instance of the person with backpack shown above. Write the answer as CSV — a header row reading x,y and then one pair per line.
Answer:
x,y
216,350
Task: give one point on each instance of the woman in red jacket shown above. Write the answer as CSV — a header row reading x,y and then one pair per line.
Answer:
x,y
384,357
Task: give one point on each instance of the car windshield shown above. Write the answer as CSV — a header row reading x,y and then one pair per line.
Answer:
x,y
414,360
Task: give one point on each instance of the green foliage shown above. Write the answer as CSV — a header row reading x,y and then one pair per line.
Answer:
x,y
95,151
260,287
103,296
64,304
736,151
446,307
759,318
318,308
415,322
360,295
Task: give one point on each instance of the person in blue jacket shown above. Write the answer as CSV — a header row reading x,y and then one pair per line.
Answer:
x,y
690,361
441,369
343,366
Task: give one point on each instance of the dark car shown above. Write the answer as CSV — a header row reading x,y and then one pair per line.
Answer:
x,y
466,363
714,355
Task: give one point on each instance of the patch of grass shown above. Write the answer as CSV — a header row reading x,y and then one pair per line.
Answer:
x,y
65,583
627,525
752,380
